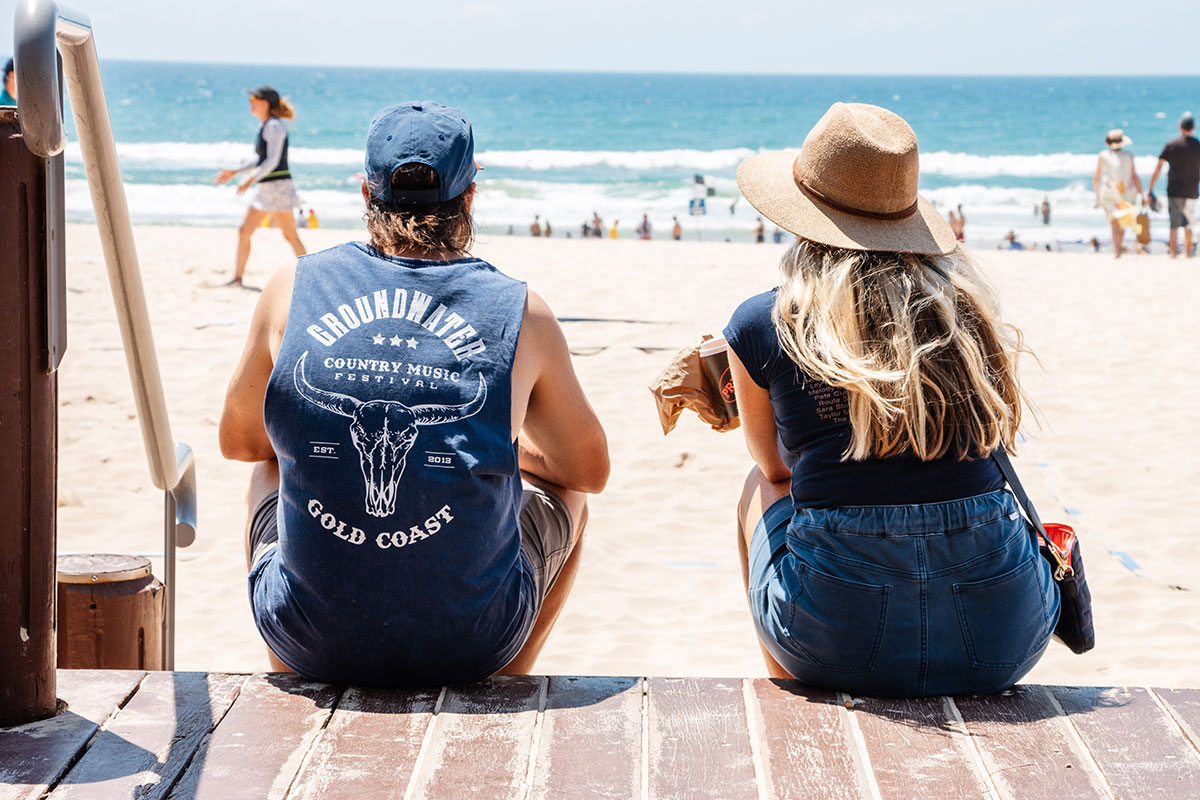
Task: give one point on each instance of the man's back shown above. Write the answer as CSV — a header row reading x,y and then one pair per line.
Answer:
x,y
1182,154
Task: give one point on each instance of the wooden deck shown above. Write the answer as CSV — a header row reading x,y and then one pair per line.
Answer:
x,y
190,734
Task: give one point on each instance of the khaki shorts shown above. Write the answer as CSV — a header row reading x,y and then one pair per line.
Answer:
x,y
547,533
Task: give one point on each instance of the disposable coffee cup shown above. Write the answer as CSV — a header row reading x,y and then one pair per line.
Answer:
x,y
714,357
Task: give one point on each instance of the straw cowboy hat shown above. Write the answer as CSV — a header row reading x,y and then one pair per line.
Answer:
x,y
853,184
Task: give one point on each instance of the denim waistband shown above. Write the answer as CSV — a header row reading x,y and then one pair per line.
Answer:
x,y
923,519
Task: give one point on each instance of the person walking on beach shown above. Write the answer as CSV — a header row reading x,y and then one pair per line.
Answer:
x,y
1117,186
612,232
880,551
8,91
676,229
276,195
421,444
1182,156
597,226
1045,209
535,228
958,223
759,228
643,228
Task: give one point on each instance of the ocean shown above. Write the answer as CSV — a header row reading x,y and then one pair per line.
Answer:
x,y
564,145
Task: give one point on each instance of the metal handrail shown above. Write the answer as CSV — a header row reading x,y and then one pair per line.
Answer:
x,y
43,31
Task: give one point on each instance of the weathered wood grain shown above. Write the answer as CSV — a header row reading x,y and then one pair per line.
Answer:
x,y
806,751
370,747
1185,706
1138,747
699,740
914,750
591,740
35,756
481,741
143,751
1026,746
261,743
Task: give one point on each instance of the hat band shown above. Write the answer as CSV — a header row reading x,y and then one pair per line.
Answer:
x,y
903,213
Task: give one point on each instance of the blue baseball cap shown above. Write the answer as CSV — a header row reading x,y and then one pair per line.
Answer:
x,y
420,132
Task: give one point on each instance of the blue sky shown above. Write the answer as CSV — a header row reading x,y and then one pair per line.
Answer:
x,y
1015,37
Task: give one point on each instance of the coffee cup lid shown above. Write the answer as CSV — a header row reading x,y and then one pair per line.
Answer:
x,y
710,347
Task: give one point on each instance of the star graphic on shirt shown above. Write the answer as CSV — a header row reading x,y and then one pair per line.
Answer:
x,y
395,340
412,344
378,338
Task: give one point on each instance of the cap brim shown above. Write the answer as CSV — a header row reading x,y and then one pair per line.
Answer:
x,y
766,182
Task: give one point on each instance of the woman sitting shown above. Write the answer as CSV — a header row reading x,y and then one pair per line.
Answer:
x,y
881,552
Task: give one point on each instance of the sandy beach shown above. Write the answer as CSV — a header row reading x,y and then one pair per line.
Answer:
x,y
1116,453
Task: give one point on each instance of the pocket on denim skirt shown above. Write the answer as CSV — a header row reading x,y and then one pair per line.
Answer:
x,y
837,623
1003,618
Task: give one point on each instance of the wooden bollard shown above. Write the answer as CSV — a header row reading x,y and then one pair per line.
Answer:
x,y
110,613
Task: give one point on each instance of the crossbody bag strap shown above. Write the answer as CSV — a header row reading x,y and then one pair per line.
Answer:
x,y
1010,475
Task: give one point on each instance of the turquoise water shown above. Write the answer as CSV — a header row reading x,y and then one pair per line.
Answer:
x,y
562,145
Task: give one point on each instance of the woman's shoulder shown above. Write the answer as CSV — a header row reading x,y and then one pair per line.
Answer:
x,y
754,310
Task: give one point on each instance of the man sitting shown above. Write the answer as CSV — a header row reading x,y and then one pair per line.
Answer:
x,y
422,445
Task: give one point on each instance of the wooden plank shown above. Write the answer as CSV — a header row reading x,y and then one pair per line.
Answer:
x,y
146,747
806,749
1138,747
1185,707
481,740
699,740
259,746
371,742
1026,746
914,750
591,740
35,756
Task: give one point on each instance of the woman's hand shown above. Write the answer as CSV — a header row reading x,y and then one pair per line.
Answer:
x,y
223,176
244,185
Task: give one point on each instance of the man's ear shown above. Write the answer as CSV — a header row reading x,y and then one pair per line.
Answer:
x,y
365,192
469,194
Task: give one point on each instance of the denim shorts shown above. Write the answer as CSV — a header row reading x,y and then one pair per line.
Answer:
x,y
902,601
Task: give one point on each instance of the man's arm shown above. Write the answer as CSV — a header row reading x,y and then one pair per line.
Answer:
x,y
1154,178
242,432
560,437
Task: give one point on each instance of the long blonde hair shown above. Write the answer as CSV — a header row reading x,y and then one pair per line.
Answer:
x,y
916,342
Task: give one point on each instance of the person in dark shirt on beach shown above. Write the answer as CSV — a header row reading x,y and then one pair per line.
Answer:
x,y
421,444
1182,155
880,551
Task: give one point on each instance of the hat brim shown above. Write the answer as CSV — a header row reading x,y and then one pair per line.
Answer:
x,y
766,182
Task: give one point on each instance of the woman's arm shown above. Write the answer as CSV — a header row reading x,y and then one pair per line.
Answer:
x,y
758,422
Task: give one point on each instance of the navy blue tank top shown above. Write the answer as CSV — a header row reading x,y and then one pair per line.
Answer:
x,y
281,170
389,408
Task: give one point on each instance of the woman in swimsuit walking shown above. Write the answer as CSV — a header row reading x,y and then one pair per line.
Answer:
x,y
276,195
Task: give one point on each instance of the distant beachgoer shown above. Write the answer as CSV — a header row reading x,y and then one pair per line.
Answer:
x,y
585,230
732,206
535,229
1095,243
777,235
958,222
676,229
597,226
1182,155
546,229
612,232
1045,209
301,220
758,230
643,228
1011,239
8,95
276,195
1117,186
880,552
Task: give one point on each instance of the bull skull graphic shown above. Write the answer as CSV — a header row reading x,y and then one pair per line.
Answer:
x,y
383,431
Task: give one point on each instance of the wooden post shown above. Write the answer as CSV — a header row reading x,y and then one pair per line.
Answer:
x,y
110,613
28,436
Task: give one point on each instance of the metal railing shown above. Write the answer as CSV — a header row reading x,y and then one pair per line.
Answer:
x,y
43,32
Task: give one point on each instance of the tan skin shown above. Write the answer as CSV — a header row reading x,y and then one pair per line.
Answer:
x,y
282,220
769,480
1187,232
561,444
